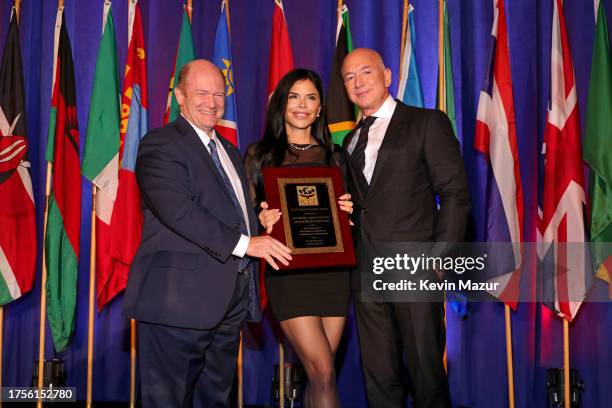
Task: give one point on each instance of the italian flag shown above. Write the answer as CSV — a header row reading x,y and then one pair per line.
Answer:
x,y
101,156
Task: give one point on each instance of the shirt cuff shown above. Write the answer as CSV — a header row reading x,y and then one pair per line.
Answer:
x,y
241,246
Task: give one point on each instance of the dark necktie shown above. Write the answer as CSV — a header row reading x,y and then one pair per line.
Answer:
x,y
358,155
230,190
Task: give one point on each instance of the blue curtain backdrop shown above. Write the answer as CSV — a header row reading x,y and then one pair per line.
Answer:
x,y
476,346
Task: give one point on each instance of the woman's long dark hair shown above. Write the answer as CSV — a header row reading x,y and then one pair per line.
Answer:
x,y
271,149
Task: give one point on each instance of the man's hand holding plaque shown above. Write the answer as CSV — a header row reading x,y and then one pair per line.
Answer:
x,y
311,211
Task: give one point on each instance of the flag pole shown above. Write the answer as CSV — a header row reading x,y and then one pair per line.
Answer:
x,y
17,9
445,356
227,14
441,81
189,9
92,282
509,357
43,284
281,372
132,363
404,26
566,364
239,374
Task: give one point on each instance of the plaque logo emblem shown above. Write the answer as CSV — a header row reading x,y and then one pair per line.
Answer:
x,y
307,196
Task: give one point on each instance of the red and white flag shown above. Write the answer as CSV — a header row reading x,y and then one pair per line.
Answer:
x,y
561,223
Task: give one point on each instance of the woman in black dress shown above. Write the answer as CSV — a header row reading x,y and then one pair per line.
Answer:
x,y
311,305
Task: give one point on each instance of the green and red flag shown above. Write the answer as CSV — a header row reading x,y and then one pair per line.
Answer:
x,y
597,153
64,210
126,221
341,112
101,155
184,54
446,96
17,215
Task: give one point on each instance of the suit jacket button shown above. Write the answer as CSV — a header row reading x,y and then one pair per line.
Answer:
x,y
237,226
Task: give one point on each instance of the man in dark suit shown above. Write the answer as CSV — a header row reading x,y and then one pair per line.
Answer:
x,y
193,279
401,158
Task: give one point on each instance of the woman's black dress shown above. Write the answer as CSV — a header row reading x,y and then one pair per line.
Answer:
x,y
305,292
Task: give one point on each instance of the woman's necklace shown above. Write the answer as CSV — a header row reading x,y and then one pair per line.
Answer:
x,y
301,147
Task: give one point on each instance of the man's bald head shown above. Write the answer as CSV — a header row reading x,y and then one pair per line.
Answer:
x,y
200,92
203,66
366,79
364,53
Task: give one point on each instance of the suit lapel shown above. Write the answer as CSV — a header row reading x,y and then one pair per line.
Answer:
x,y
197,145
359,182
387,145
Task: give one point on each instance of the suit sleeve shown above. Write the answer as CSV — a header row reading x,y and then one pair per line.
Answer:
x,y
164,182
448,177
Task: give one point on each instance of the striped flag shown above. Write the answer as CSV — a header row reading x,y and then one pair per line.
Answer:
x,y
340,110
446,103
64,211
597,152
222,57
562,198
17,215
101,156
409,90
446,94
281,56
126,220
496,139
184,54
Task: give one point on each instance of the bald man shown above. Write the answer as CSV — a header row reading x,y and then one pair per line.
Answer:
x,y
401,158
193,279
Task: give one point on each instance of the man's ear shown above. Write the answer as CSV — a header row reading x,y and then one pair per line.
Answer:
x,y
180,97
387,74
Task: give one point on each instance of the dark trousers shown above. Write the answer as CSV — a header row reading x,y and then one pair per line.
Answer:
x,y
393,333
187,368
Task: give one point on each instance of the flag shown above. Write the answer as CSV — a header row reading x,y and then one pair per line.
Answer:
x,y
496,139
64,208
17,216
446,103
101,155
126,219
597,141
281,62
340,110
184,54
222,57
561,215
409,89
446,95
281,56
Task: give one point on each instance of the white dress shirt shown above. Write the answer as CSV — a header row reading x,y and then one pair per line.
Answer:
x,y
375,136
226,163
